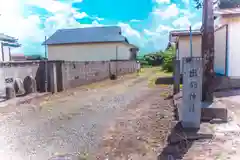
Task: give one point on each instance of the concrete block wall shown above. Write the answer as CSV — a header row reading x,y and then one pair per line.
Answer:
x,y
78,73
61,75
123,67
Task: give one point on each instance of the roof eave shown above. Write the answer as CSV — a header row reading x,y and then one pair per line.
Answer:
x,y
82,42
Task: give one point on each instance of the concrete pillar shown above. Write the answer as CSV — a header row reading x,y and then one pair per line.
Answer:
x,y
52,76
176,77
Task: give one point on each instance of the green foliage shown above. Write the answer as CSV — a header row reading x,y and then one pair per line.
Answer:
x,y
161,58
151,59
168,57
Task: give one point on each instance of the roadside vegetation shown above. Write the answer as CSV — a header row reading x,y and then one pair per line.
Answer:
x,y
163,59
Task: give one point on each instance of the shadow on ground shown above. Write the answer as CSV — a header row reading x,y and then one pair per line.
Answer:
x,y
180,141
227,93
165,80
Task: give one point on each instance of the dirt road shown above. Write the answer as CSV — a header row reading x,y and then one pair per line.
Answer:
x,y
74,122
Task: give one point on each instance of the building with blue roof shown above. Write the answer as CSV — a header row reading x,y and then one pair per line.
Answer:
x,y
6,44
90,44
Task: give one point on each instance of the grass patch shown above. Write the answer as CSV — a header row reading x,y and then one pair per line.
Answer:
x,y
158,72
164,94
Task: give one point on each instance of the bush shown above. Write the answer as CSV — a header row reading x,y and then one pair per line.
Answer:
x,y
168,57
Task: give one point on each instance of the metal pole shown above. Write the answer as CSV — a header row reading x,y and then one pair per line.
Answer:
x,y
191,41
116,61
46,67
10,55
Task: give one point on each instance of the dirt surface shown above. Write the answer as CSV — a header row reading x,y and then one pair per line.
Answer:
x,y
74,123
129,118
141,131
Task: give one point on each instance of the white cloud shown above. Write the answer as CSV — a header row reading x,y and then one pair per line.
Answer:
x,y
129,31
96,23
99,19
50,5
29,30
25,26
171,11
132,35
187,13
79,15
197,25
163,1
162,28
135,20
149,33
182,22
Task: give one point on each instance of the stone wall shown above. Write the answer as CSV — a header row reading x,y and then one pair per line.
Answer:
x,y
61,75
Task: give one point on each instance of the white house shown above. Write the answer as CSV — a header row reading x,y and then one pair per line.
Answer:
x,y
6,44
90,44
182,40
227,38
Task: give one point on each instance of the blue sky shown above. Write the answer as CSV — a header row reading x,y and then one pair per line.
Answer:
x,y
146,23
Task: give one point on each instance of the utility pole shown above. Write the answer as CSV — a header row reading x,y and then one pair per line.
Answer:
x,y
208,50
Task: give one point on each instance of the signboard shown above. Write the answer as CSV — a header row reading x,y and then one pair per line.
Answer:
x,y
192,92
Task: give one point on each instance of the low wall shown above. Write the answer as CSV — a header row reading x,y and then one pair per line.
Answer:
x,y
78,73
225,83
17,71
61,75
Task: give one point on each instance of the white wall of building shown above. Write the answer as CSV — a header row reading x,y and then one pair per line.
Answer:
x,y
220,50
89,52
184,47
234,49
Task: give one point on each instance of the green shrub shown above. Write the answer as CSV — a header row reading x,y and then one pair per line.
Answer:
x,y
168,57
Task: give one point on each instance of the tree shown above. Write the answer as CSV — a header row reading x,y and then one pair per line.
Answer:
x,y
199,4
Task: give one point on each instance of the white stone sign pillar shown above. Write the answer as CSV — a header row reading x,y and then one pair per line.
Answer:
x,y
192,92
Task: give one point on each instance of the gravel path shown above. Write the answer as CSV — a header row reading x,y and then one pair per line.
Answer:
x,y
68,124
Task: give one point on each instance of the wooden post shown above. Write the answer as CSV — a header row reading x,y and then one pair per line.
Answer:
x,y
208,50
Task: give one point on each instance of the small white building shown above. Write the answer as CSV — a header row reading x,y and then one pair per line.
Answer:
x,y
90,44
227,38
182,40
6,44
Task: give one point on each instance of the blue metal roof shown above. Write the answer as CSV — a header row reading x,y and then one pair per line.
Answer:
x,y
7,38
87,35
